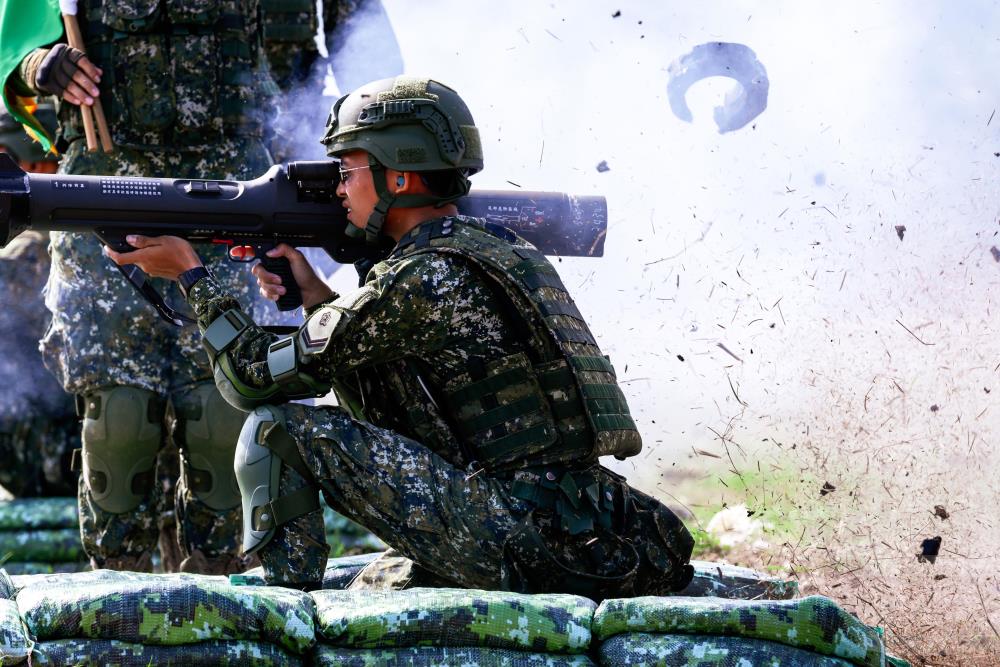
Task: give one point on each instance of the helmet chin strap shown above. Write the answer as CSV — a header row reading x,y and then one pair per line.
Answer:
x,y
386,200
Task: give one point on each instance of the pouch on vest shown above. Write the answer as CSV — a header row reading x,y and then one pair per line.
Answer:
x,y
193,12
130,16
503,415
196,88
143,88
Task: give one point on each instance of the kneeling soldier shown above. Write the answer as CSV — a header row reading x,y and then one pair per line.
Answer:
x,y
474,399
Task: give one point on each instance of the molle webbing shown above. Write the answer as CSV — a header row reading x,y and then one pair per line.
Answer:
x,y
567,382
176,74
289,20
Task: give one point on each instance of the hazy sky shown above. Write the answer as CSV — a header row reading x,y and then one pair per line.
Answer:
x,y
777,241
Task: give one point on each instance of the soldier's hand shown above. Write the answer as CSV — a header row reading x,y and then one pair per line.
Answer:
x,y
313,289
67,73
159,256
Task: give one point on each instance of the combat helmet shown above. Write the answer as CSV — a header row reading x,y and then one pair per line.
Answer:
x,y
407,124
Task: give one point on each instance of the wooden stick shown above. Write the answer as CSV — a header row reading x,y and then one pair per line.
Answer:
x,y
88,113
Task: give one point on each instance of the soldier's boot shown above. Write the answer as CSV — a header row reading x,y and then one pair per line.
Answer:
x,y
207,504
122,432
282,519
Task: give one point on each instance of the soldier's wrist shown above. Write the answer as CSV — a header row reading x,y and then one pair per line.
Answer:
x,y
188,279
22,79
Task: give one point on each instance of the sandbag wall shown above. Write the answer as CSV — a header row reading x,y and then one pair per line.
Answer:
x,y
40,535
121,618
443,626
125,618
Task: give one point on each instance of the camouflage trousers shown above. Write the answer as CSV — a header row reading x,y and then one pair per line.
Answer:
x,y
103,334
462,528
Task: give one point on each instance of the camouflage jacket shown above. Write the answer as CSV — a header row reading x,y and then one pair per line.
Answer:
x,y
424,328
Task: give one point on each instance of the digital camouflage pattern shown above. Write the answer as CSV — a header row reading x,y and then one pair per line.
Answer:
x,y
15,642
814,623
448,617
722,580
418,324
169,611
114,653
34,513
38,424
169,116
57,545
104,334
93,577
437,656
658,650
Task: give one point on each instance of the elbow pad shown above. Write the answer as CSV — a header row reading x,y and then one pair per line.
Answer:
x,y
285,382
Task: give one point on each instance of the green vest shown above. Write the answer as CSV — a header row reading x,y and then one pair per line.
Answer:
x,y
289,37
557,403
177,73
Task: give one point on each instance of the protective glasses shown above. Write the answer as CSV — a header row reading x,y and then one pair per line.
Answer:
x,y
345,174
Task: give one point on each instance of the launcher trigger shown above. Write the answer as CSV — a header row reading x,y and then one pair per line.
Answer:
x,y
116,242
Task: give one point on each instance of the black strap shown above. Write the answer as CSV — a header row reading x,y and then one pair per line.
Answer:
x,y
277,439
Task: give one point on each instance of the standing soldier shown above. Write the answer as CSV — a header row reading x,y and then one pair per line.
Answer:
x,y
187,93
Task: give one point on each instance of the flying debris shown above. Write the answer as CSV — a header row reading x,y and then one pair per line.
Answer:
x,y
742,104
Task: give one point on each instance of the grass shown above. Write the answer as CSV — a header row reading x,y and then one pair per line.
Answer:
x,y
782,501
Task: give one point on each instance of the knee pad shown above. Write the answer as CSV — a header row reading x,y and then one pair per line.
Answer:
x,y
206,430
264,447
122,433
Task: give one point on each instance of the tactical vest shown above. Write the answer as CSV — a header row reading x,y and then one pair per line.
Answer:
x,y
289,30
560,401
289,20
177,73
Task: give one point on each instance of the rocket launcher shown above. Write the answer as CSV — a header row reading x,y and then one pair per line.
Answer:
x,y
292,203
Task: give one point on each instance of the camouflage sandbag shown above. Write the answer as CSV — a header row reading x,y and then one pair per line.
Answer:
x,y
168,610
15,641
36,567
814,623
435,656
548,623
737,583
645,650
35,513
110,652
91,577
339,572
57,545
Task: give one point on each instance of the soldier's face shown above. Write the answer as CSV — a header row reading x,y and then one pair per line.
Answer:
x,y
356,188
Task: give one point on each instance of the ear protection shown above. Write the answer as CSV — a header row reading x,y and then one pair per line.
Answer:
x,y
399,181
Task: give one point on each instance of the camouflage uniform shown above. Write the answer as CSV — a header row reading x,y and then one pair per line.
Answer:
x,y
38,425
476,460
187,94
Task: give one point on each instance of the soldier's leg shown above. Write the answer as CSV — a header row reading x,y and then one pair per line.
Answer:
x,y
122,433
447,521
103,336
208,511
